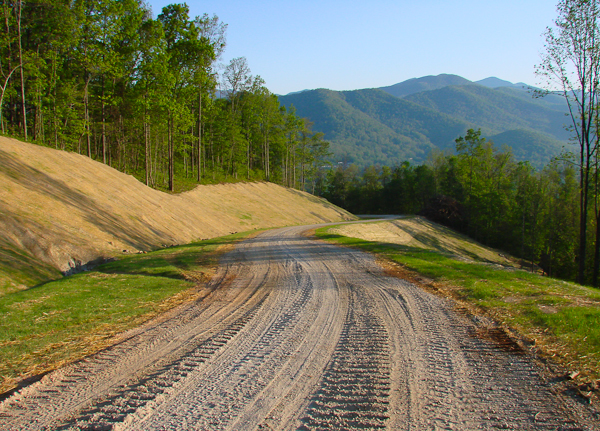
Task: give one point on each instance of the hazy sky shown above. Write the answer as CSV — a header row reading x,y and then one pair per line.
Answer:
x,y
348,45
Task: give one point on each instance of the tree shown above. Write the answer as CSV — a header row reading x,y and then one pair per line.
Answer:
x,y
102,77
319,151
20,45
470,149
237,79
213,33
150,76
342,182
571,65
188,51
6,77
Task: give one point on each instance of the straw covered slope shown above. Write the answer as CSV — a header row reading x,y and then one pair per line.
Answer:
x,y
420,233
60,210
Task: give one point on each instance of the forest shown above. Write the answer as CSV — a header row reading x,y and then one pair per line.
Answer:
x,y
149,97
146,96
481,191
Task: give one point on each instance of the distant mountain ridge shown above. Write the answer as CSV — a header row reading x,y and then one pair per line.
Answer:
x,y
407,120
371,126
426,83
493,82
494,111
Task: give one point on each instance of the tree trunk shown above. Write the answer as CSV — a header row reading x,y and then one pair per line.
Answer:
x,y
171,161
583,208
596,252
86,99
24,108
146,146
103,126
2,95
200,136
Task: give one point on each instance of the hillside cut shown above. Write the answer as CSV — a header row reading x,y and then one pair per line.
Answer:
x,y
60,210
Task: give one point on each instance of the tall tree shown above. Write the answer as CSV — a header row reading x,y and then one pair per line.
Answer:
x,y
212,31
150,80
571,65
187,49
19,12
237,79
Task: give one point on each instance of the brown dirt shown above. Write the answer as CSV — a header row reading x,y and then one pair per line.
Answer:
x,y
65,210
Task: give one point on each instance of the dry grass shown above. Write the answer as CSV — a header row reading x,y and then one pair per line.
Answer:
x,y
59,209
418,232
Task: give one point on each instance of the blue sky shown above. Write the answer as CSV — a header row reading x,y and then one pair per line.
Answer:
x,y
348,45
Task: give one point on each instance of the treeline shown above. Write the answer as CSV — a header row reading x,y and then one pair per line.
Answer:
x,y
482,192
146,96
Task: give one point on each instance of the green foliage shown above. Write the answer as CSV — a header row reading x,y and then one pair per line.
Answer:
x,y
404,189
492,198
571,64
495,111
530,146
373,127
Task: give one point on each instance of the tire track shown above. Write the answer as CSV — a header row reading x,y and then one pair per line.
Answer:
x,y
458,380
212,403
61,395
107,412
500,371
354,392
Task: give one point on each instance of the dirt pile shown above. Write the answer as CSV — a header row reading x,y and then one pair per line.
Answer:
x,y
60,210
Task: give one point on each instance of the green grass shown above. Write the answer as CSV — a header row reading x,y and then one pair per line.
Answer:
x,y
563,318
19,269
60,321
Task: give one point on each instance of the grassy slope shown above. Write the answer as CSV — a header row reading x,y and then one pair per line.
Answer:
x,y
58,209
64,320
18,269
561,319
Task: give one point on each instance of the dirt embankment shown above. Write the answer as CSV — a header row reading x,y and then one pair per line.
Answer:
x,y
420,233
59,210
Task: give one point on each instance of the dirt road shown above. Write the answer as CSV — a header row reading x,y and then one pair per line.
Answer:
x,y
300,335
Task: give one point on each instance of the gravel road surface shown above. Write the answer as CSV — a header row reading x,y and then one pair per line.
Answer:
x,y
299,334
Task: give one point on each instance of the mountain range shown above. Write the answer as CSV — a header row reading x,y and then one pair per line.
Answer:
x,y
405,121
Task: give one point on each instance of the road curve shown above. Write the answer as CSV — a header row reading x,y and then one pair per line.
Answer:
x,y
299,334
